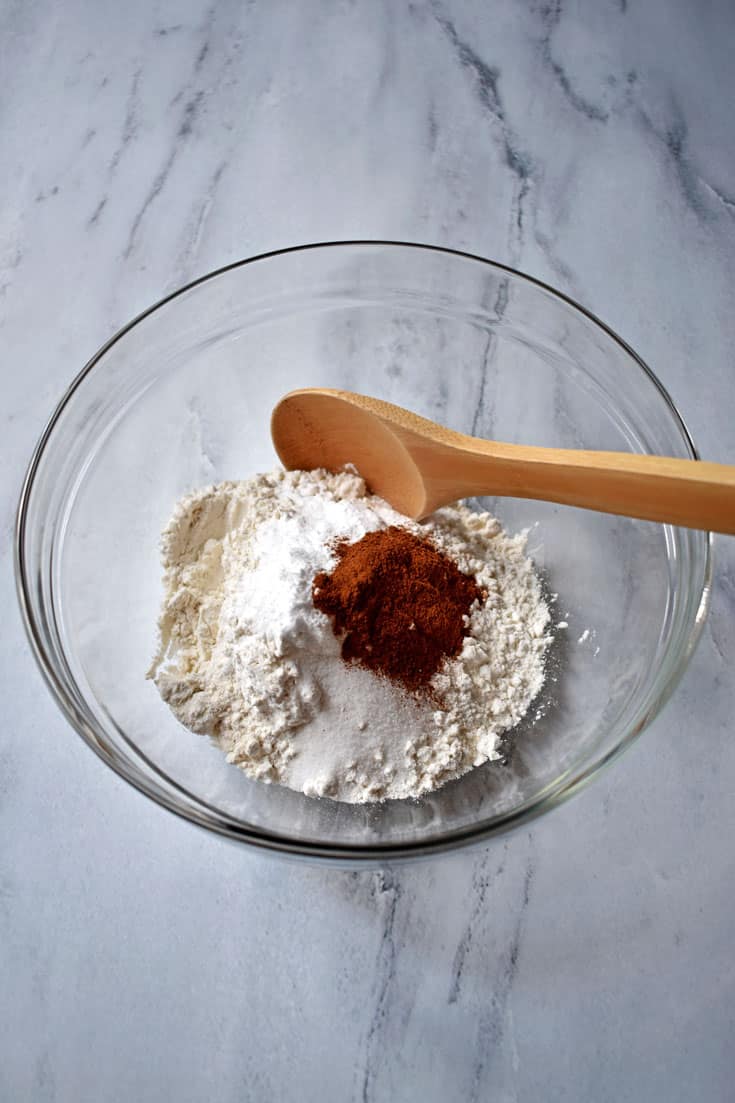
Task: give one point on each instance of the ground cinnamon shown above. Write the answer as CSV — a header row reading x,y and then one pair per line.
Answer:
x,y
397,603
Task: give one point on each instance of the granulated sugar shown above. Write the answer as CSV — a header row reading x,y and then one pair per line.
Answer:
x,y
245,658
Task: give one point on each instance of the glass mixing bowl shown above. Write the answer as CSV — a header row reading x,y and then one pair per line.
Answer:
x,y
181,398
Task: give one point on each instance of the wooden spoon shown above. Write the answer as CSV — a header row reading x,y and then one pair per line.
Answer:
x,y
417,465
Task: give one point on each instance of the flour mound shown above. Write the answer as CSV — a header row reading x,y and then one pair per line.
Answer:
x,y
245,658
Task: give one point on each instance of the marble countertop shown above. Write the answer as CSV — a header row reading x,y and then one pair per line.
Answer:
x,y
591,144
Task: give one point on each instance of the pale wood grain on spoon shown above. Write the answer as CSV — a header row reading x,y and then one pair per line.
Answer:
x,y
417,465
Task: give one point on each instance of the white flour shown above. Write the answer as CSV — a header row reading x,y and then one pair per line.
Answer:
x,y
246,658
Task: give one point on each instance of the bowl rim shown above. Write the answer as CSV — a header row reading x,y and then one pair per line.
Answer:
x,y
355,853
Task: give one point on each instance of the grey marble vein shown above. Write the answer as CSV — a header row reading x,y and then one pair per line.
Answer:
x,y
197,224
387,890
482,417
491,1030
486,79
704,198
551,15
481,881
592,146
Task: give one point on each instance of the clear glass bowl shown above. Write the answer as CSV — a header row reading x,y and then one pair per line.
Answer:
x,y
181,398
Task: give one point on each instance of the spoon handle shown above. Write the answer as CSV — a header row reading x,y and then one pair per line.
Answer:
x,y
693,493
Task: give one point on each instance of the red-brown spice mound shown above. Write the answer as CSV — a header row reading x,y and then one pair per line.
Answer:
x,y
397,603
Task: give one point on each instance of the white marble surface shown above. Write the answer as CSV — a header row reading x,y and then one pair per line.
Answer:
x,y
590,958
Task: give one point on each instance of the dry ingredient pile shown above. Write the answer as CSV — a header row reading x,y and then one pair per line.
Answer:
x,y
330,644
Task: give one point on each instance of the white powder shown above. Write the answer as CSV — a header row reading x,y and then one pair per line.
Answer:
x,y
246,658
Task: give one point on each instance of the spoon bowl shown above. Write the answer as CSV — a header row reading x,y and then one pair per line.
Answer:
x,y
316,427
